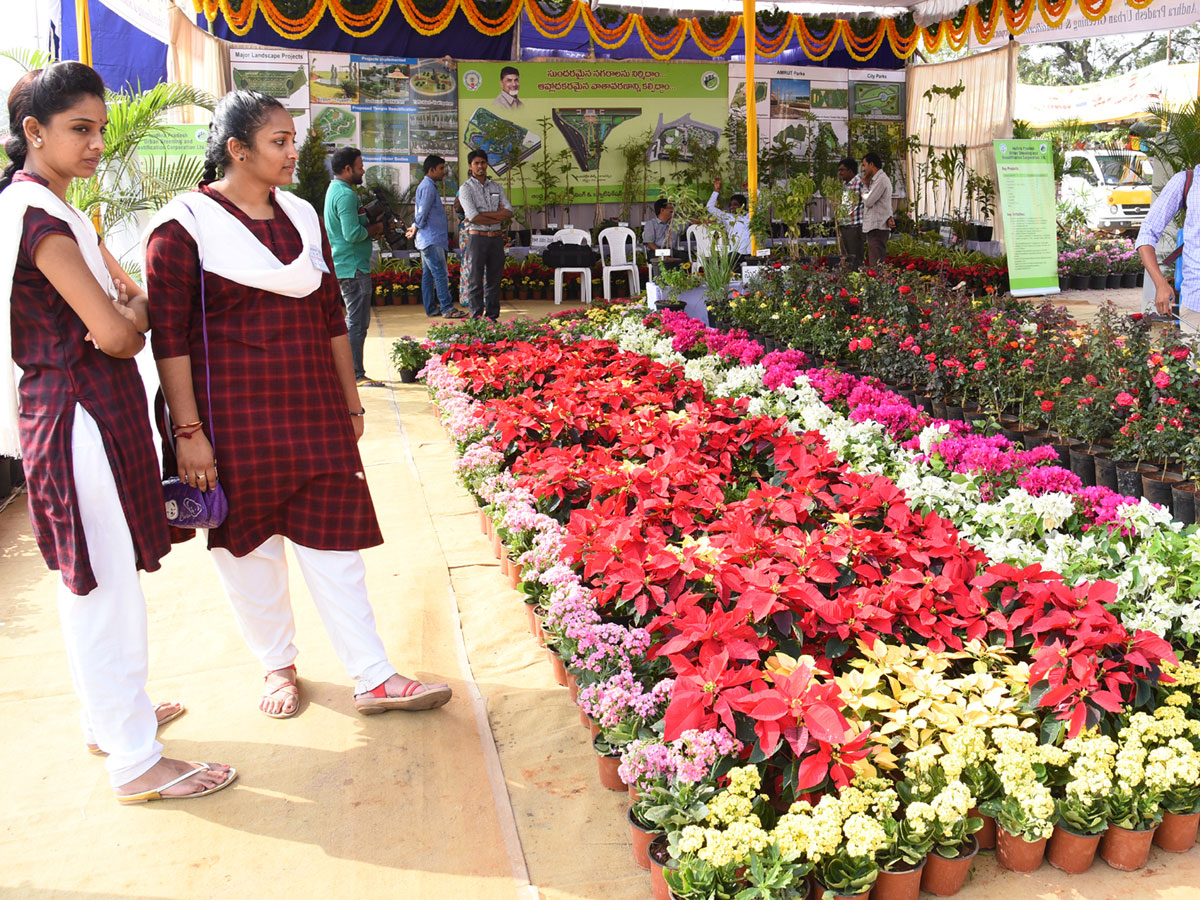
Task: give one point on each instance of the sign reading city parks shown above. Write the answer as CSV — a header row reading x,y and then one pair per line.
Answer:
x,y
1026,192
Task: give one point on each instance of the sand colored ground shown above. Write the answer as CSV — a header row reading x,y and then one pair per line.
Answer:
x,y
495,796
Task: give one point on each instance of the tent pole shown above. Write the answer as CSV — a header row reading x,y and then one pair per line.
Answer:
x,y
750,32
83,26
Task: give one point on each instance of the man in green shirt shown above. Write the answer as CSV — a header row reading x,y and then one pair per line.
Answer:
x,y
350,239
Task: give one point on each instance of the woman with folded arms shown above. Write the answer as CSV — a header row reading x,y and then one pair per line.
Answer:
x,y
73,320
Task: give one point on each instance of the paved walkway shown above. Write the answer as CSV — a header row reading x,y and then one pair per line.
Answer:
x,y
495,796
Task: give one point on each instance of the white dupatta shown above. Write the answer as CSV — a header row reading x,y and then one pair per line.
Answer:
x,y
15,200
229,249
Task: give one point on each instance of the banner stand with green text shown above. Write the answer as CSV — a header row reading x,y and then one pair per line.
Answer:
x,y
1025,170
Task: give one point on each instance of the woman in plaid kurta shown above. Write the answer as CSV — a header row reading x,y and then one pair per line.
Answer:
x,y
61,369
71,319
285,413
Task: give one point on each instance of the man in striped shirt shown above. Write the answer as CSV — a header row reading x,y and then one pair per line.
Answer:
x,y
1164,208
850,226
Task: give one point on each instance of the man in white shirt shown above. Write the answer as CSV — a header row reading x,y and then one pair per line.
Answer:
x,y
736,221
486,209
876,208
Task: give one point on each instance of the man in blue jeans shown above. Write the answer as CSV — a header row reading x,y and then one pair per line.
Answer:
x,y
350,239
429,228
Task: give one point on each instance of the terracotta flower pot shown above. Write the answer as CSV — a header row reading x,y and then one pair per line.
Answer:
x,y
1177,834
560,671
1017,854
660,859
642,838
586,720
1070,852
634,794
497,547
514,575
593,728
1124,849
985,837
609,776
505,565
572,686
539,618
902,884
944,877
531,619
483,520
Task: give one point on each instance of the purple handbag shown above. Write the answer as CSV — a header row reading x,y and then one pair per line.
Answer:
x,y
187,506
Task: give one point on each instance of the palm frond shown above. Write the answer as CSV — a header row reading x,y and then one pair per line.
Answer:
x,y
164,178
1176,145
27,59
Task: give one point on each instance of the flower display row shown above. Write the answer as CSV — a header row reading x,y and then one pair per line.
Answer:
x,y
1019,506
798,673
1119,406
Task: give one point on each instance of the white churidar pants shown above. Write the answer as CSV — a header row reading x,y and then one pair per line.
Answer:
x,y
257,587
105,631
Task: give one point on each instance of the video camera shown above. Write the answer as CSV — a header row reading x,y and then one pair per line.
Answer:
x,y
379,210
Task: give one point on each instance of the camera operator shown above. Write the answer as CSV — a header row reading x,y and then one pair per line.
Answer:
x,y
350,238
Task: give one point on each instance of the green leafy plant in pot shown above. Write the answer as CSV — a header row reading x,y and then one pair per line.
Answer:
x,y
409,356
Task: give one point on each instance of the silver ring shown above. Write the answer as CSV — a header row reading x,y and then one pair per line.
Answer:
x,y
202,475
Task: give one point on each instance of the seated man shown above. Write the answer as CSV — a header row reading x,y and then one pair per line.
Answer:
x,y
659,234
736,221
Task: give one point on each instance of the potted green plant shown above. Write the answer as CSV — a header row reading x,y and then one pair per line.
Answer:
x,y
409,356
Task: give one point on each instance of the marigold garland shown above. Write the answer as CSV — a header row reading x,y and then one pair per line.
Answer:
x,y
240,15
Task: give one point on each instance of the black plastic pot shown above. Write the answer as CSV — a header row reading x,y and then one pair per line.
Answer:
x,y
1083,464
1064,453
939,409
985,232
1156,487
1106,472
1129,279
954,413
925,402
1097,282
1113,280
1141,278
1129,481
1079,282
1183,502
1032,439
407,376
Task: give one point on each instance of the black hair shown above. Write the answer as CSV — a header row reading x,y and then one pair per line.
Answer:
x,y
850,163
739,199
873,158
238,115
343,157
43,94
509,70
474,155
433,161
660,204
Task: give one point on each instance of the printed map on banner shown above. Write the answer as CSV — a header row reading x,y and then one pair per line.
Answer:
x,y
396,111
797,106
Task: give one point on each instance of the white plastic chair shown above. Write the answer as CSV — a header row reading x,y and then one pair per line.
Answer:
x,y
618,238
702,238
573,236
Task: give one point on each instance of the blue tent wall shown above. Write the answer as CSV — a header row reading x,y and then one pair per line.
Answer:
x,y
394,38
122,53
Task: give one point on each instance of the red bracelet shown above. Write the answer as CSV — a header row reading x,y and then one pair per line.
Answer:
x,y
187,433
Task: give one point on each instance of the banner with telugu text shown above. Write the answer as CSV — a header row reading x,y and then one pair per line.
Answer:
x,y
1025,170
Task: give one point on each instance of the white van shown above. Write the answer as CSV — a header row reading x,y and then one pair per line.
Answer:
x,y
1112,186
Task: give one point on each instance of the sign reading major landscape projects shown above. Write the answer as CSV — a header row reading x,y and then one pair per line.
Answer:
x,y
1026,192
576,115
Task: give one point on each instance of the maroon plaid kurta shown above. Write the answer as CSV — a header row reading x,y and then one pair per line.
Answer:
x,y
61,369
285,446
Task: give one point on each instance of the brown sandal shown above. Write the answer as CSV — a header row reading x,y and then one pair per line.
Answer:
x,y
289,689
415,696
